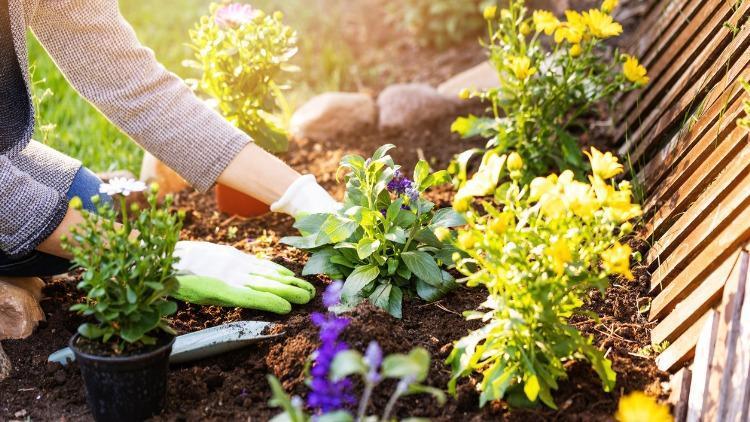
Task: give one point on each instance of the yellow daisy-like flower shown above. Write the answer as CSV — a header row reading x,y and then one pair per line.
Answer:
x,y
573,30
541,186
609,5
634,71
545,21
604,165
575,50
560,253
616,260
521,67
580,199
601,24
501,223
638,407
490,12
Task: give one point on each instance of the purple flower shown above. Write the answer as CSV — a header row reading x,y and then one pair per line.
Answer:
x,y
332,295
373,357
412,194
326,395
234,15
399,184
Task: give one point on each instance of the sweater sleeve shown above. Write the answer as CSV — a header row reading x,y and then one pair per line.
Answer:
x,y
29,210
99,53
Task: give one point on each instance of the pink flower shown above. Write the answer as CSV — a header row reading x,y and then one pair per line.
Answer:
x,y
234,15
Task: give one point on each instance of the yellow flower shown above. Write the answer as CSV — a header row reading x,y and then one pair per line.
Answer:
x,y
466,240
515,162
521,67
621,212
601,24
634,71
552,204
616,260
490,12
501,223
573,30
540,186
76,203
560,253
609,5
545,21
580,199
442,233
575,50
603,165
464,94
638,407
525,29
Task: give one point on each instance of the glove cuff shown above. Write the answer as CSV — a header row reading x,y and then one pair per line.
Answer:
x,y
304,194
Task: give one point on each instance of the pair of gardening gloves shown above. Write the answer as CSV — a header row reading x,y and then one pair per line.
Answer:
x,y
211,274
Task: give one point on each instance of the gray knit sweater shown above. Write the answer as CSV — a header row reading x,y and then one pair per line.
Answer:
x,y
100,55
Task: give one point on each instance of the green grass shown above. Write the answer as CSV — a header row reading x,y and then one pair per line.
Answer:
x,y
66,122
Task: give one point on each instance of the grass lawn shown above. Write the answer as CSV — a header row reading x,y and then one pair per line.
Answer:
x,y
68,123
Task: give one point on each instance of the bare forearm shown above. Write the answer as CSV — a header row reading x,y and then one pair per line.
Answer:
x,y
259,174
52,245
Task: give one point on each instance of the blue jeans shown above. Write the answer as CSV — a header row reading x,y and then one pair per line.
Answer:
x,y
38,264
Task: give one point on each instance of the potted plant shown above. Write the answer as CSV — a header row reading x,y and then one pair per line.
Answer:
x,y
123,347
243,54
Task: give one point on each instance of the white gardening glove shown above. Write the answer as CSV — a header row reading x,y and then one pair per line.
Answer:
x,y
211,274
305,196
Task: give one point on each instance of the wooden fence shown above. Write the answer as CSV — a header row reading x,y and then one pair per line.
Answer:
x,y
693,163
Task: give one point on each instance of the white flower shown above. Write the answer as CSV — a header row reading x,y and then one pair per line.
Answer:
x,y
121,185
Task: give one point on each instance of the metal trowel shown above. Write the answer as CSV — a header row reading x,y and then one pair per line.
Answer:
x,y
201,344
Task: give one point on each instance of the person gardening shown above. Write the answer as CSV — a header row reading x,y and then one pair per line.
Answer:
x,y
98,52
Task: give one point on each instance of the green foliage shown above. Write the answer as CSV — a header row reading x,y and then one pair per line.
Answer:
x,y
538,250
440,23
745,121
244,68
409,369
538,109
127,277
383,240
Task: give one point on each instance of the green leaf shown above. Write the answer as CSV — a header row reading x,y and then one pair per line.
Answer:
x,y
531,388
423,266
358,279
415,364
367,247
90,331
310,223
380,152
130,294
337,416
437,393
320,263
395,300
337,229
347,362
421,172
167,307
447,217
380,297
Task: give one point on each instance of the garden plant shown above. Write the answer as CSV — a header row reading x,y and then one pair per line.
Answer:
x,y
538,250
440,23
243,54
331,395
552,75
387,240
127,254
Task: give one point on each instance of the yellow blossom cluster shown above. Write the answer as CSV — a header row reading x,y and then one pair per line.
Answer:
x,y
638,407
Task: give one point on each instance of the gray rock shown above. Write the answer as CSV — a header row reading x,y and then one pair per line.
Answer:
x,y
334,113
404,105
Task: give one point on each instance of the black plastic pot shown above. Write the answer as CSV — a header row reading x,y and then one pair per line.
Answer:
x,y
125,388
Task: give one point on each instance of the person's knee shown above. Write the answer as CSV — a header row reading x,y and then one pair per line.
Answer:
x,y
85,186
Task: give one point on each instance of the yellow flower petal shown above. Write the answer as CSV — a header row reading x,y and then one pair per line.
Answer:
x,y
638,407
545,21
634,71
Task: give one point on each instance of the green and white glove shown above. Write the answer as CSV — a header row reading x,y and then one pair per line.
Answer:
x,y
211,274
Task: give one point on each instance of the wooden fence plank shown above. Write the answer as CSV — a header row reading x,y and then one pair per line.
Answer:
x,y
688,148
706,338
685,94
682,349
696,304
679,393
688,48
671,222
698,225
726,341
739,391
704,263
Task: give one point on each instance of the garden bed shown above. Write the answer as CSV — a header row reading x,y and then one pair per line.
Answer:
x,y
234,386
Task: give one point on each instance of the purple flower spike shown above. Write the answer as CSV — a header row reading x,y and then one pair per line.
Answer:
x,y
374,357
399,184
326,395
412,194
332,295
234,15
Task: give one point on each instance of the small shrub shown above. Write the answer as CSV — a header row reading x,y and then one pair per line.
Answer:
x,y
127,277
544,92
441,23
387,241
243,55
539,250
